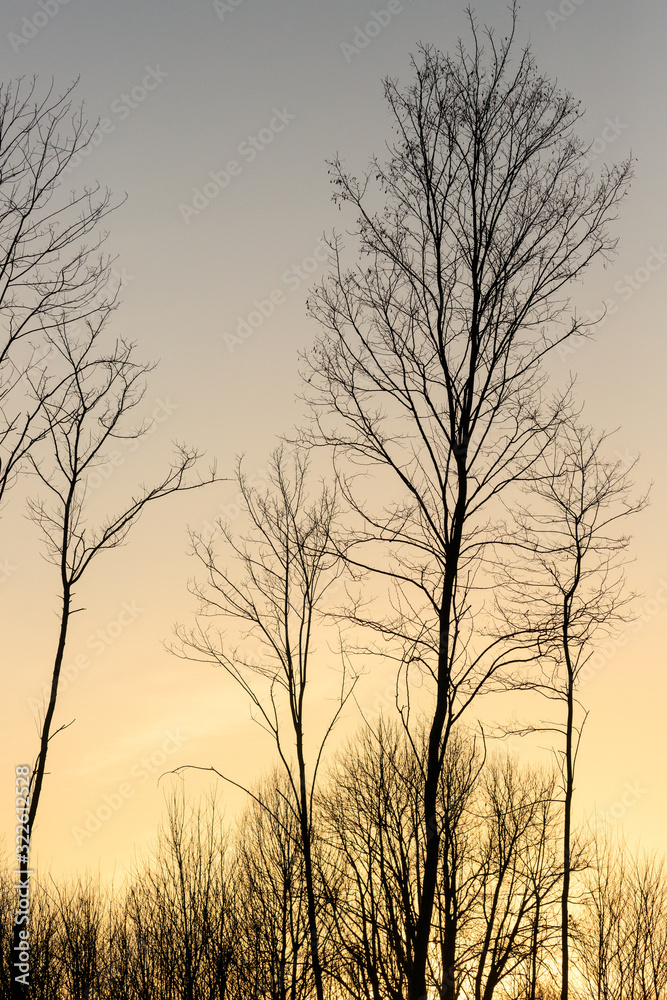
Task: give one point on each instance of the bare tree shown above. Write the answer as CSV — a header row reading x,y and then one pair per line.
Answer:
x,y
92,411
82,937
288,569
180,906
517,873
118,979
372,826
428,371
496,909
369,818
47,974
273,957
143,967
571,531
620,944
51,269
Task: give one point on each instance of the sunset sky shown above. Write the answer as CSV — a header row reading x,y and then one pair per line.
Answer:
x,y
216,120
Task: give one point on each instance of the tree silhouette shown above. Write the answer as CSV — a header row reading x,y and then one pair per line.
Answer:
x,y
428,372
51,268
92,411
569,531
288,565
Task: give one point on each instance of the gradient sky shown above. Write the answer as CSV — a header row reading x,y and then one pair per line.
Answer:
x,y
282,71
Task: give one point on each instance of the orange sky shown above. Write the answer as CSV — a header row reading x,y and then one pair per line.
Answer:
x,y
211,88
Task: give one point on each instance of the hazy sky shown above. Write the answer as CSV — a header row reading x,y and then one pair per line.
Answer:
x,y
216,119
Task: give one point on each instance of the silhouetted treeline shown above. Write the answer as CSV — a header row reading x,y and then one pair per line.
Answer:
x,y
219,914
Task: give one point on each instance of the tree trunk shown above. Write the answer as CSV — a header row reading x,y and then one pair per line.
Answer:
x,y
19,991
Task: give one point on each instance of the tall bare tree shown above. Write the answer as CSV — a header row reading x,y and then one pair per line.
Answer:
x,y
90,413
287,568
572,532
428,372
